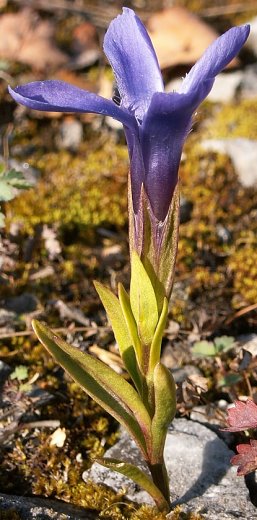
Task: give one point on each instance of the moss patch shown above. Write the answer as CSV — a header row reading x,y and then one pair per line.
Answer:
x,y
238,119
83,190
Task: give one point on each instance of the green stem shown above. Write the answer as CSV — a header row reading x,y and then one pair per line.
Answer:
x,y
161,480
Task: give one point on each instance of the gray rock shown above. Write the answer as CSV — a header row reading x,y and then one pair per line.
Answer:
x,y
248,342
71,134
7,318
42,509
243,154
22,304
201,477
173,85
181,374
248,86
223,234
225,87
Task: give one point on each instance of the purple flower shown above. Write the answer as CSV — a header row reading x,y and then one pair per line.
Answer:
x,y
156,124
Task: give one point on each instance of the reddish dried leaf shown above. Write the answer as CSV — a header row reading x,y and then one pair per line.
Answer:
x,y
242,416
246,460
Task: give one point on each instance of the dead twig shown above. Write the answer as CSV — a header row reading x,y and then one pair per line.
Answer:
x,y
240,313
223,10
62,330
99,15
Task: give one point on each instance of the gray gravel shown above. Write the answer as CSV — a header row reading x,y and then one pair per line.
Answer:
x,y
201,477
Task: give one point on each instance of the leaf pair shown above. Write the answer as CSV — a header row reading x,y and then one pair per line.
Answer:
x,y
135,321
104,385
147,411
124,327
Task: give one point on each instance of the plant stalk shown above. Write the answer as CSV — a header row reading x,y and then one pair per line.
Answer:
x,y
161,480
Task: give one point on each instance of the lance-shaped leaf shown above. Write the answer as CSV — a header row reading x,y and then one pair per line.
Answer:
x,y
139,477
143,300
130,320
121,331
155,351
165,409
104,385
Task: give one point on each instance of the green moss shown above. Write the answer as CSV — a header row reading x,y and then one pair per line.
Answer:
x,y
212,270
238,119
242,264
83,190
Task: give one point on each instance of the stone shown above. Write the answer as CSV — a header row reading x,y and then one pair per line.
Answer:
x,y
223,234
248,86
243,154
248,342
224,90
7,318
201,477
71,134
22,304
182,373
225,87
42,509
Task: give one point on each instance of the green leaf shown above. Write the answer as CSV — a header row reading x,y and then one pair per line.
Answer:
x,y
211,349
16,179
165,409
115,316
6,191
20,373
224,343
122,334
139,477
229,380
204,349
104,385
155,351
130,320
143,300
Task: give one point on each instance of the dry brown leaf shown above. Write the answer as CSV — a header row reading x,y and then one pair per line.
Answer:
x,y
199,382
26,38
112,360
178,36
